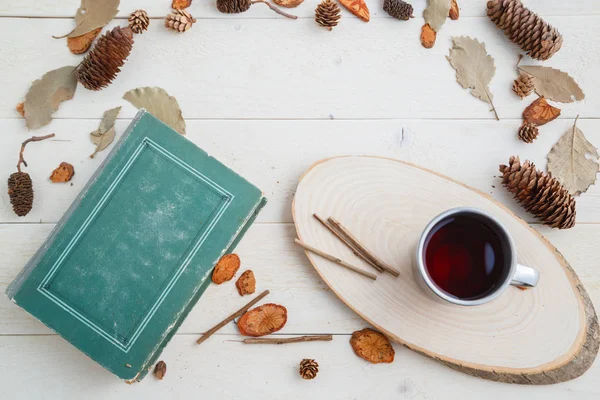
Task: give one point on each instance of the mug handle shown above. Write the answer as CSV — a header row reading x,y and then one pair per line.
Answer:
x,y
525,276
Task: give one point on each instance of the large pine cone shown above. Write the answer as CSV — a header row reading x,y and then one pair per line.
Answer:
x,y
180,20
525,28
327,14
139,21
528,132
523,85
101,66
20,191
308,368
233,6
398,9
539,194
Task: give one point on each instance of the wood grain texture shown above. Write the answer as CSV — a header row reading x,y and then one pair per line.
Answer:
x,y
266,61
540,336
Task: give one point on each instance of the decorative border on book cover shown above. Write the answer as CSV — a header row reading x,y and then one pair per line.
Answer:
x,y
126,343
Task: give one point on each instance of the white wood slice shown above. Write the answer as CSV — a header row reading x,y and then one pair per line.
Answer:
x,y
543,335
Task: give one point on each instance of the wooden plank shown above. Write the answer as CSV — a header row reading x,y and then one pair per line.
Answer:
x,y
274,154
207,9
279,266
278,69
44,365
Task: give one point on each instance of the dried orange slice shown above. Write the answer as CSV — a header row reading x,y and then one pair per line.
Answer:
x,y
226,268
372,346
263,320
246,284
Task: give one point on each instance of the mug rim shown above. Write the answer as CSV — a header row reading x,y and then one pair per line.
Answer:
x,y
434,287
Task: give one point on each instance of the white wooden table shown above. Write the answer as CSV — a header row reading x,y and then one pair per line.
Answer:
x,y
269,96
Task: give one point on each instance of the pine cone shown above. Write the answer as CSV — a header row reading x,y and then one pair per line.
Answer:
x,y
20,191
233,6
398,9
525,28
539,193
528,132
523,85
101,66
179,20
308,368
139,21
327,14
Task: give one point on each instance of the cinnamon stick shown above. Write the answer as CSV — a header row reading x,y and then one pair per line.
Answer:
x,y
337,225
347,243
335,260
297,339
233,316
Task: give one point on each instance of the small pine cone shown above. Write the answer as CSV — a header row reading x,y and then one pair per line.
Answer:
x,y
139,21
525,28
308,368
179,20
539,193
20,191
327,14
233,6
523,85
398,9
101,66
528,132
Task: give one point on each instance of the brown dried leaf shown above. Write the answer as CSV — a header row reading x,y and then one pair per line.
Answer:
x,y
93,14
288,3
428,36
540,112
63,173
574,161
81,44
358,8
181,4
263,320
160,370
105,134
372,346
436,13
454,12
226,268
46,94
246,283
554,84
158,103
21,109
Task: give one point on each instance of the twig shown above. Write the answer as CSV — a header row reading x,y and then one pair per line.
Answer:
x,y
361,247
335,260
277,10
31,139
233,316
347,243
298,339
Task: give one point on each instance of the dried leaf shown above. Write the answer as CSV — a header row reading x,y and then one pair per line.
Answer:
x,y
574,161
158,103
246,283
81,44
454,12
428,36
63,173
554,84
288,3
540,112
436,13
263,320
474,67
92,14
45,95
180,4
226,268
160,370
372,346
358,8
105,134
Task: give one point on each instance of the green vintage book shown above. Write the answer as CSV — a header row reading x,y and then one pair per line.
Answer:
x,y
135,251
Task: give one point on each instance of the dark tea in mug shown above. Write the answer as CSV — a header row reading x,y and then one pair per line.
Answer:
x,y
465,257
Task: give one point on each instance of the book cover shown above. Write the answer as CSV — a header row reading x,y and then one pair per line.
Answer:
x,y
135,251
